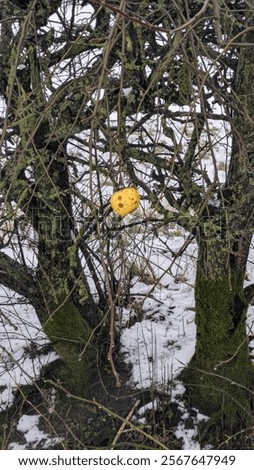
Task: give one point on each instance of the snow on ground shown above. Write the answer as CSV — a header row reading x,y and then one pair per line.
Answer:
x,y
158,335
23,345
28,426
161,344
158,346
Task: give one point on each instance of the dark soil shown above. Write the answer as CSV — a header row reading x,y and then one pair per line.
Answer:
x,y
104,418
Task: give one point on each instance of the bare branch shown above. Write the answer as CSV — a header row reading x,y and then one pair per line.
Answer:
x,y
135,18
16,276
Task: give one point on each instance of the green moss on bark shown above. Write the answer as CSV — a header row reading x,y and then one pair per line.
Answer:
x,y
220,375
70,335
220,316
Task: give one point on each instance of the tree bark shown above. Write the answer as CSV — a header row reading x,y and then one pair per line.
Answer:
x,y
219,377
15,276
57,287
68,313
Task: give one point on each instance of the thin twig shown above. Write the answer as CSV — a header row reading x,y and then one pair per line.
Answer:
x,y
112,345
131,16
124,424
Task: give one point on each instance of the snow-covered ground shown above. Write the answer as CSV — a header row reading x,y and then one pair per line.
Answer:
x,y
23,346
162,343
158,334
157,346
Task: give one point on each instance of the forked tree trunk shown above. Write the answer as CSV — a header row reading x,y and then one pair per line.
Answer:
x,y
219,377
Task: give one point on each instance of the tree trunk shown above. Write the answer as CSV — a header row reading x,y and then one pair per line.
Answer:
x,y
66,308
220,375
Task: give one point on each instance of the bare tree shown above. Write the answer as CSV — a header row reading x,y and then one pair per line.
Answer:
x,y
103,94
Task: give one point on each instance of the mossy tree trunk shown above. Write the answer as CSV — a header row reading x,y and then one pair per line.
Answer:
x,y
57,287
67,311
220,375
219,378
